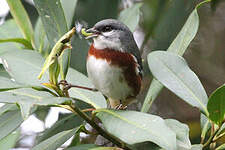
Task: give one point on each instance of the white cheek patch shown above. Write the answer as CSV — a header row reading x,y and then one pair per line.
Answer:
x,y
98,43
102,42
108,33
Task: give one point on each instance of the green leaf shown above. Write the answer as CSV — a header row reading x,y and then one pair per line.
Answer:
x,y
79,53
83,147
9,30
203,120
25,42
3,72
144,127
9,121
40,38
91,147
146,146
131,16
178,46
7,84
197,147
42,112
216,105
24,66
96,99
8,107
76,138
205,126
9,141
20,15
54,21
6,47
182,133
186,35
69,7
55,141
28,98
69,122
153,91
173,72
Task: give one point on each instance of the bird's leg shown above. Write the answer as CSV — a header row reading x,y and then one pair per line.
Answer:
x,y
67,86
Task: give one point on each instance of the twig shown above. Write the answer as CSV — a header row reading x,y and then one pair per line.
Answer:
x,y
67,86
213,134
83,87
88,109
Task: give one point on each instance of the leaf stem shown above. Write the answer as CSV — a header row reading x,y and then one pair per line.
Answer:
x,y
201,3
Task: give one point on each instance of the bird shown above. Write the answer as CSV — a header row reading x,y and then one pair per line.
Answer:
x,y
114,63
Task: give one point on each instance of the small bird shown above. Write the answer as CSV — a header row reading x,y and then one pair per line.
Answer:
x,y
114,63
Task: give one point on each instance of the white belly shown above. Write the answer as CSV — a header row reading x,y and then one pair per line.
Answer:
x,y
108,79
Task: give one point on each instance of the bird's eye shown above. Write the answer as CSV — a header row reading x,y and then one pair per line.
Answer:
x,y
107,29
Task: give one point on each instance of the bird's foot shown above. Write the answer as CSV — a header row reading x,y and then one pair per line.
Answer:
x,y
66,86
121,107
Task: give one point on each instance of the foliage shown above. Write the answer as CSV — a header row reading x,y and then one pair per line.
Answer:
x,y
25,53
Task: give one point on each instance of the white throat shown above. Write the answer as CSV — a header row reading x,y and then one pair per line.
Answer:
x,y
102,42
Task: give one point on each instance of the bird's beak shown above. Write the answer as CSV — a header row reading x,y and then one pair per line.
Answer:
x,y
93,33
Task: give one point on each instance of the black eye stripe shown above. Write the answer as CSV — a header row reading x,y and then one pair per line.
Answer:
x,y
106,28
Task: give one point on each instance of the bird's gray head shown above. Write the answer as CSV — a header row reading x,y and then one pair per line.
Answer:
x,y
110,33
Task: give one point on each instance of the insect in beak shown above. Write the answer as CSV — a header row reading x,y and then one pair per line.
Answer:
x,y
92,33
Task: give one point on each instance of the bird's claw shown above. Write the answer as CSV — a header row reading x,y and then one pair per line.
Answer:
x,y
120,107
62,82
65,84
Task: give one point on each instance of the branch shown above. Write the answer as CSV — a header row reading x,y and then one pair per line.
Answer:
x,y
101,131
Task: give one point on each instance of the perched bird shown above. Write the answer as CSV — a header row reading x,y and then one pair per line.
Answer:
x,y
114,64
